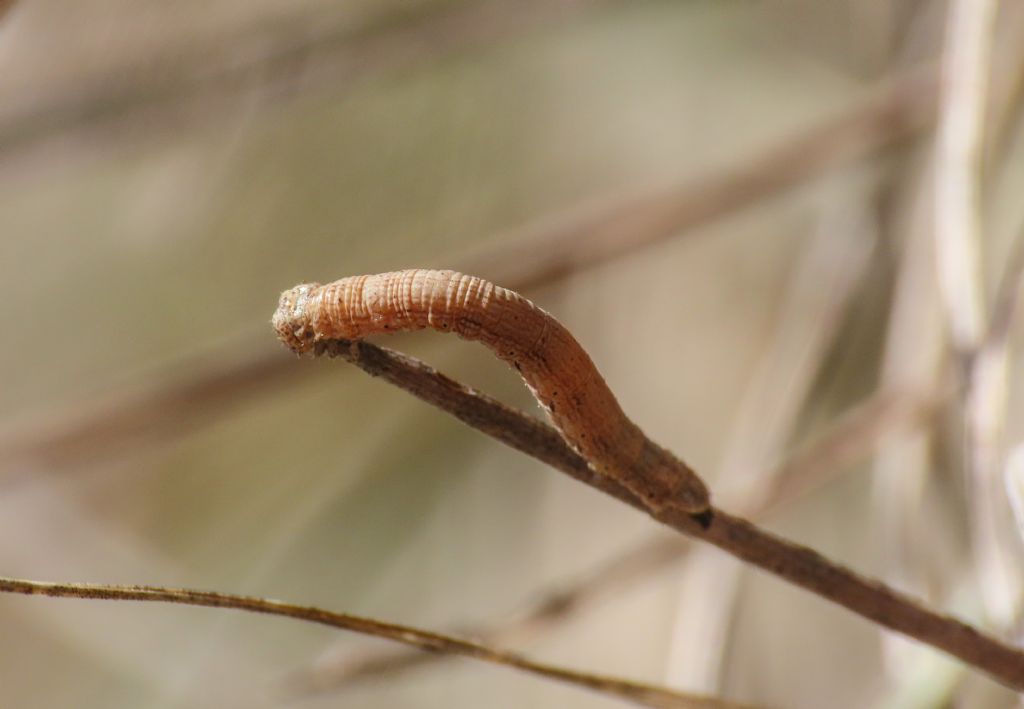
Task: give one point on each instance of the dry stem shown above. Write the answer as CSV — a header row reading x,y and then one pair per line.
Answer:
x,y
636,692
854,434
795,563
959,234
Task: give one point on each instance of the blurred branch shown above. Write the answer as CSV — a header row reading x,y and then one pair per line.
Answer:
x,y
5,6
635,692
205,393
550,610
1006,89
959,234
965,67
850,438
1006,305
820,287
575,239
286,60
797,564
996,547
594,233
996,348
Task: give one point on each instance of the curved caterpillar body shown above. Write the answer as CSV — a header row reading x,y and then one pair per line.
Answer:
x,y
552,363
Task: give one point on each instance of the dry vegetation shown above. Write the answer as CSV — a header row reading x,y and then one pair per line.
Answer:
x,y
787,233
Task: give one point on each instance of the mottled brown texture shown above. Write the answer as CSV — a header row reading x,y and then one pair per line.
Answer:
x,y
554,366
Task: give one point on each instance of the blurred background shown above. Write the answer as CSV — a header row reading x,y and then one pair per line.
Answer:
x,y
736,207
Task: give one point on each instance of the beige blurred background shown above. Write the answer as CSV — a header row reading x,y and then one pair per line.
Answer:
x,y
166,169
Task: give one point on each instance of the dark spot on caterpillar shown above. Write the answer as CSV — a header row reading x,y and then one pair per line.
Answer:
x,y
704,519
517,366
551,406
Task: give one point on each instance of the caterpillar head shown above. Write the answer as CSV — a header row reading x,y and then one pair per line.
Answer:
x,y
291,320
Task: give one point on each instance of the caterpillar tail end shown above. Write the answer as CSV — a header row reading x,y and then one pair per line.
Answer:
x,y
668,483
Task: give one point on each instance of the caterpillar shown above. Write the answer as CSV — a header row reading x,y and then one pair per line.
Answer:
x,y
554,366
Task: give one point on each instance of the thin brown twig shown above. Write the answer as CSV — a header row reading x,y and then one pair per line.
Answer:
x,y
636,692
850,438
910,358
795,563
822,283
549,610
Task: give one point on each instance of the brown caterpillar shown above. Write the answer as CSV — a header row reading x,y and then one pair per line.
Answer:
x,y
552,363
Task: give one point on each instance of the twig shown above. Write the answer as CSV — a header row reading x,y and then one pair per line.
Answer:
x,y
592,234
546,612
820,288
852,436
636,692
911,359
795,563
554,366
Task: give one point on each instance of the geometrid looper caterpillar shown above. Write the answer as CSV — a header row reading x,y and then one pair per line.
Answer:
x,y
552,363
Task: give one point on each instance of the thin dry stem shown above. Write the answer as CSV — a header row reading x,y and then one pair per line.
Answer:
x,y
820,287
997,547
795,563
636,692
959,234
958,167
850,438
550,610
1007,86
1006,304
